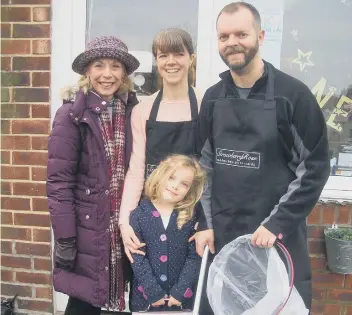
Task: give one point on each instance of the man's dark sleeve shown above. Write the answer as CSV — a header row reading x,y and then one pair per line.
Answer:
x,y
205,121
310,163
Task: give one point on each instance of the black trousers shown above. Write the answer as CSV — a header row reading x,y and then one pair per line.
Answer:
x,y
79,307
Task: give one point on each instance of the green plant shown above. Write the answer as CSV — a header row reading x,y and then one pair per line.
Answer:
x,y
344,234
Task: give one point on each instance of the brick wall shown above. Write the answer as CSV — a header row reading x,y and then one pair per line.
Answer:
x,y
332,293
25,124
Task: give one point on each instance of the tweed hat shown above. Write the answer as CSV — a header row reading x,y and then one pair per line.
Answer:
x,y
105,47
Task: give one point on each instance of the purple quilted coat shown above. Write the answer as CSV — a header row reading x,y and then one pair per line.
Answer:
x,y
78,194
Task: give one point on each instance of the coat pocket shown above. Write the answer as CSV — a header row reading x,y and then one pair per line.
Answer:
x,y
86,216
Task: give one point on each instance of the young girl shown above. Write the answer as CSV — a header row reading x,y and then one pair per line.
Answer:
x,y
165,277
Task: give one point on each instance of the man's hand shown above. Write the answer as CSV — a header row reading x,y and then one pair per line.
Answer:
x,y
173,301
130,241
159,303
202,239
262,237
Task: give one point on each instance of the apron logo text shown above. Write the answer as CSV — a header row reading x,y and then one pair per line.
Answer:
x,y
238,158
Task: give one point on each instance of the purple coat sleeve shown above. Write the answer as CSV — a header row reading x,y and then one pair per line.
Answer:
x,y
63,154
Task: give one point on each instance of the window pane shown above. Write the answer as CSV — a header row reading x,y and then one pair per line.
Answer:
x,y
136,22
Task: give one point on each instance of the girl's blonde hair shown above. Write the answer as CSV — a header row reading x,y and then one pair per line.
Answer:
x,y
175,40
162,174
84,85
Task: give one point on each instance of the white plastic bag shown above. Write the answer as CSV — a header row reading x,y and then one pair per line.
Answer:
x,y
247,280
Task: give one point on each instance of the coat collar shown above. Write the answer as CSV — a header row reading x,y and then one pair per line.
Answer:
x,y
227,78
95,104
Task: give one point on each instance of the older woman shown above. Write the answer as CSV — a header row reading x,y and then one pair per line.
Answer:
x,y
89,151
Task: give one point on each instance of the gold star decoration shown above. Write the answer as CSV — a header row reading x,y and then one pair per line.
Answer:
x,y
303,59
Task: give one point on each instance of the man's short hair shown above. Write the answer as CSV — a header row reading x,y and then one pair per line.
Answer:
x,y
236,6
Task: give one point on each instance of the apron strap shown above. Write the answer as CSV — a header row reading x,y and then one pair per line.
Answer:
x,y
193,103
155,107
269,92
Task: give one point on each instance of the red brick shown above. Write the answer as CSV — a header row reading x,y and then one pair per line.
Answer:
x,y
40,204
328,214
15,262
41,110
41,47
328,280
5,30
37,278
41,79
340,295
319,294
15,110
32,219
15,203
6,96
31,30
5,126
29,158
316,232
42,264
44,293
318,263
14,79
7,275
316,247
33,249
31,127
30,94
12,289
6,63
35,305
348,310
6,188
15,47
6,247
315,216
344,215
29,189
31,63
326,309
16,233
15,142
6,218
41,14
5,157
14,172
40,143
41,235
39,173
13,14
348,282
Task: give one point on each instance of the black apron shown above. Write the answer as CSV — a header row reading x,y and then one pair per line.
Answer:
x,y
251,174
165,138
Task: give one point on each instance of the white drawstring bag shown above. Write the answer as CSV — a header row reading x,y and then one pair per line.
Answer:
x,y
248,280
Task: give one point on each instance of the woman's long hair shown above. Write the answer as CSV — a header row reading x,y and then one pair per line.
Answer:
x,y
161,175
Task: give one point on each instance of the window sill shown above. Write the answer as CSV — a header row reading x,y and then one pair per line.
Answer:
x,y
338,189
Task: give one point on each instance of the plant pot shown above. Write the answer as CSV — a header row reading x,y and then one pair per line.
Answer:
x,y
339,254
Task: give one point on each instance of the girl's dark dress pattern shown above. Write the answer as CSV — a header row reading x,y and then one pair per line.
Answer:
x,y
171,264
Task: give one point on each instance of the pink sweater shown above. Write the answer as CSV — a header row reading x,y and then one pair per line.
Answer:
x,y
172,111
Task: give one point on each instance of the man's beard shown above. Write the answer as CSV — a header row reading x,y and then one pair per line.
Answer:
x,y
248,56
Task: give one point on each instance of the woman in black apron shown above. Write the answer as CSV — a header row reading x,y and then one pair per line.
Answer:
x,y
163,124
